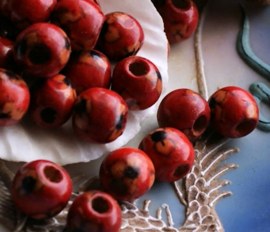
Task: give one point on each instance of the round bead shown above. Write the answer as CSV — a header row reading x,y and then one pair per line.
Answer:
x,y
100,115
41,189
180,19
234,112
14,98
52,101
26,12
186,111
88,69
171,153
81,20
42,49
138,81
121,36
127,174
94,211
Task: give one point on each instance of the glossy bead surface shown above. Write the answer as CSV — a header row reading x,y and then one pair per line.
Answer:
x,y
94,211
138,81
41,189
234,112
180,18
6,52
14,98
26,12
186,111
121,36
88,69
52,101
127,174
171,153
100,115
42,49
81,20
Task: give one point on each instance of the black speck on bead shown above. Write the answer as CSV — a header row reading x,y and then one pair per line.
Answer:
x,y
118,187
158,75
131,172
158,136
212,102
67,43
104,29
120,122
66,81
80,107
48,115
28,184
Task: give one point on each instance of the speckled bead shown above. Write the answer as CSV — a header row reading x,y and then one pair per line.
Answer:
x,y
127,174
94,211
121,36
138,81
42,49
88,69
171,153
234,112
14,98
100,115
81,20
180,18
26,12
52,101
41,189
185,110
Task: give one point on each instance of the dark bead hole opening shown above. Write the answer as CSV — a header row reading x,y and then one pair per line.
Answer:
x,y
181,171
28,184
138,68
52,174
200,124
181,4
40,54
245,127
48,115
100,205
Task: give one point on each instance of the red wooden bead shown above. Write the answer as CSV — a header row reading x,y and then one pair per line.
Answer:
x,y
52,101
26,12
138,81
41,189
42,49
6,52
171,152
94,211
81,20
234,112
127,173
121,36
100,115
14,98
88,69
180,19
186,111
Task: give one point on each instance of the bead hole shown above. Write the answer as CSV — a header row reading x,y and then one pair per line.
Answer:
x,y
100,205
181,4
39,54
181,171
200,124
52,174
48,115
138,68
245,127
